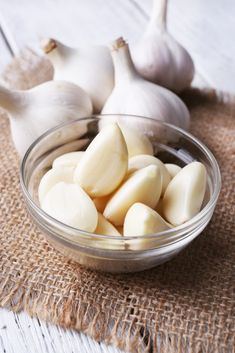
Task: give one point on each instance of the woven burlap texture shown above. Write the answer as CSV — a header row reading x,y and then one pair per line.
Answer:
x,y
186,305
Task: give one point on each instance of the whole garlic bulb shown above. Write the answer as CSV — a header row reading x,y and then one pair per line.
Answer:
x,y
34,111
90,68
134,95
158,57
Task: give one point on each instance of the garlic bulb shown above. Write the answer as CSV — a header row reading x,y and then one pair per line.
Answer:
x,y
158,57
134,95
34,111
90,68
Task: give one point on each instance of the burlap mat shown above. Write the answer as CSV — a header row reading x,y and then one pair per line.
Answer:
x,y
186,305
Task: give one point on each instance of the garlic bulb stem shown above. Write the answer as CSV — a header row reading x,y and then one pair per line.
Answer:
x,y
124,69
159,13
59,55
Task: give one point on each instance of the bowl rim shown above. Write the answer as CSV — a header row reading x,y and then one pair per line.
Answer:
x,y
210,204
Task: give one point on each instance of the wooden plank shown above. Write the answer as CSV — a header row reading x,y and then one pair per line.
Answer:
x,y
21,334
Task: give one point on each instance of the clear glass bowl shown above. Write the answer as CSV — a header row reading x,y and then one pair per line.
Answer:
x,y
113,253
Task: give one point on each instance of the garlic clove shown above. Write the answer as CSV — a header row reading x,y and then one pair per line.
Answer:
x,y
90,68
70,159
137,162
104,227
52,177
158,57
68,203
136,143
173,169
120,229
159,207
185,193
142,220
144,186
100,202
136,96
104,164
34,111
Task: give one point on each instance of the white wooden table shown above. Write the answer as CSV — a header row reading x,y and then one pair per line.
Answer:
x,y
205,28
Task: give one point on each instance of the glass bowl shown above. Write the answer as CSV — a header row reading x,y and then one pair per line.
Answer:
x,y
115,253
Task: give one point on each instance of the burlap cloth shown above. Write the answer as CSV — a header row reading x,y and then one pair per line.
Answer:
x,y
186,305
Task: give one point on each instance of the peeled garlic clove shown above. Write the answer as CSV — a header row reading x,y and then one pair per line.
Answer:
x,y
136,143
90,68
141,220
159,207
144,186
68,203
120,229
101,202
104,227
135,96
52,177
32,112
104,163
158,57
70,159
143,160
173,169
185,193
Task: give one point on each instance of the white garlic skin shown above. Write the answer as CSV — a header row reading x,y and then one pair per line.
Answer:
x,y
90,68
135,96
159,58
34,111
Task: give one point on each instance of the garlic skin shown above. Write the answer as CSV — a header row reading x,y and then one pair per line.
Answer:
x,y
34,111
104,164
158,57
142,220
144,186
185,193
90,68
68,203
136,96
